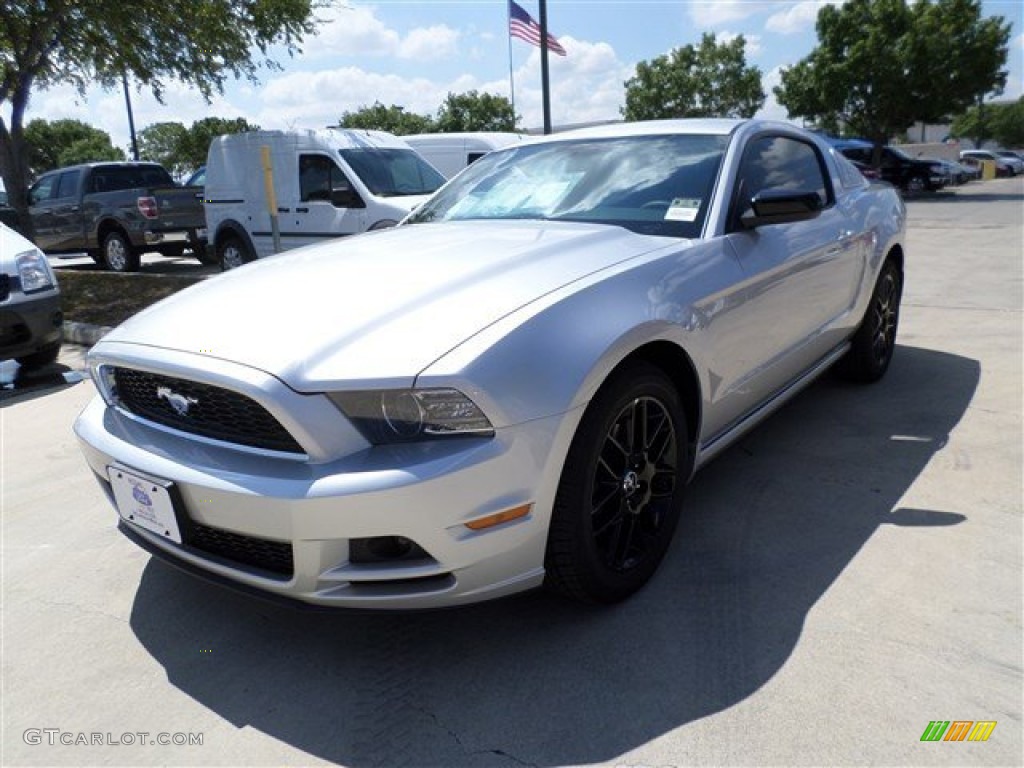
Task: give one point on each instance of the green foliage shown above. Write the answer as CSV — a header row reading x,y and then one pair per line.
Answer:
x,y
182,150
66,142
393,119
1004,123
711,80
46,42
159,142
882,65
474,111
196,142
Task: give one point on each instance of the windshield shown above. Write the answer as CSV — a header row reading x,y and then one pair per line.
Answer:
x,y
658,185
392,172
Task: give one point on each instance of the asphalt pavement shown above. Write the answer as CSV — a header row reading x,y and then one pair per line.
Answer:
x,y
847,574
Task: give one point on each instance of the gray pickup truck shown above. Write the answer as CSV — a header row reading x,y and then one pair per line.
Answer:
x,y
115,212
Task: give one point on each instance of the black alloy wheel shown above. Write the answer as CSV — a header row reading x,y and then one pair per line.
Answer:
x,y
873,345
620,496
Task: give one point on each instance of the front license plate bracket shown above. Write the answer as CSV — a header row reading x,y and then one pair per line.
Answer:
x,y
147,502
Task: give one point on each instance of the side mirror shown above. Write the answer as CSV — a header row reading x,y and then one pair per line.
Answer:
x,y
346,197
781,206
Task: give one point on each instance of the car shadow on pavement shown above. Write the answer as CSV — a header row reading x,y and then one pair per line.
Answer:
x,y
768,527
29,385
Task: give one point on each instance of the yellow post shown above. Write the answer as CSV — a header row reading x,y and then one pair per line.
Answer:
x,y
268,187
988,169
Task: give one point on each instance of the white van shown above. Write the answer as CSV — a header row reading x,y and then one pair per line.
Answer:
x,y
451,152
327,184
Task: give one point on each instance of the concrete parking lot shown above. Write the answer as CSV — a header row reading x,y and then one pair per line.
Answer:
x,y
848,573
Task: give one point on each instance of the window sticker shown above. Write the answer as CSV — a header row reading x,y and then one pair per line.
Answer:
x,y
683,209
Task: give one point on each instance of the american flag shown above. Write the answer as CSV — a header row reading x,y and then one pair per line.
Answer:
x,y
522,25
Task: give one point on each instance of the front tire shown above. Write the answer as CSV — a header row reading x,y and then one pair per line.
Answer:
x,y
232,253
620,495
872,346
119,255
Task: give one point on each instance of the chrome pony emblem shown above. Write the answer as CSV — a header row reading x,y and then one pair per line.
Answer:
x,y
179,403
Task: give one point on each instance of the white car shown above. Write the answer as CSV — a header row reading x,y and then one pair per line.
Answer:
x,y
513,386
31,322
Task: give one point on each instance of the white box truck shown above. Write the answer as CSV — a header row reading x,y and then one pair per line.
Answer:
x,y
326,184
452,152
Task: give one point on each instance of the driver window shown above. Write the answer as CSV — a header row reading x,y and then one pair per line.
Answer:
x,y
318,177
778,162
42,190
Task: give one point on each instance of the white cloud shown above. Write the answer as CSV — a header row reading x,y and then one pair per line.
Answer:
x,y
711,13
798,17
772,110
356,31
317,99
437,42
753,42
105,109
586,85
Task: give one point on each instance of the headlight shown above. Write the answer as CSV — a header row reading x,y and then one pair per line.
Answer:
x,y
103,378
34,271
406,415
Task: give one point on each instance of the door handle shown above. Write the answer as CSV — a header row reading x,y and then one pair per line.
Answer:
x,y
302,210
284,210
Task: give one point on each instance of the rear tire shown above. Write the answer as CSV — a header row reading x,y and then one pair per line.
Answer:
x,y
233,253
875,341
119,255
620,495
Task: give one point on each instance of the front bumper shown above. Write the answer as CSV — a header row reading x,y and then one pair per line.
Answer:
x,y
29,324
324,514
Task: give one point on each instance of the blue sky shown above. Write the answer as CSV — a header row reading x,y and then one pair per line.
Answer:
x,y
413,53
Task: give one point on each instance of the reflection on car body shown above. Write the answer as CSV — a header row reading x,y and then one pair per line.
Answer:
x,y
513,386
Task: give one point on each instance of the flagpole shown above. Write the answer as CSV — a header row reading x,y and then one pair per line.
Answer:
x,y
545,90
511,77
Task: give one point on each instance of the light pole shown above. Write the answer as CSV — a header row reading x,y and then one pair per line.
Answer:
x,y
131,118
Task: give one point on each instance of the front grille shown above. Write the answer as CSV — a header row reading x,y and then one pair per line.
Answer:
x,y
5,286
271,556
202,409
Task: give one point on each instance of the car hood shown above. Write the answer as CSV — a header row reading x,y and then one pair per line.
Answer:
x,y
380,307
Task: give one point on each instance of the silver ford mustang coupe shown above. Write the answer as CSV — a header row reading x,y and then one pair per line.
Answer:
x,y
509,389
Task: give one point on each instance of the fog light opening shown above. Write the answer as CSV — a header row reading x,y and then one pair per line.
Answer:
x,y
382,549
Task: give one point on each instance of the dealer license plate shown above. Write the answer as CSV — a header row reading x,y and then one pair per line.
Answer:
x,y
145,501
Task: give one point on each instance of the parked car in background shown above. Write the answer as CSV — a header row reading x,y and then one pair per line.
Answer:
x,y
115,212
510,388
31,322
911,175
1002,165
954,173
327,184
450,153
868,171
8,215
1014,160
197,179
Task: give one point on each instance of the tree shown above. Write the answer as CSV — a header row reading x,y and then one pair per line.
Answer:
x,y
881,65
711,80
66,142
160,142
1002,122
393,119
182,150
195,144
474,111
53,41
